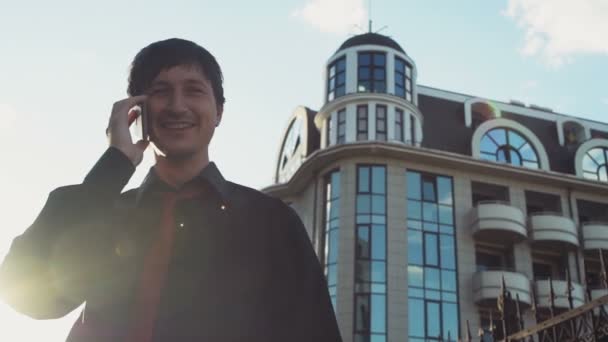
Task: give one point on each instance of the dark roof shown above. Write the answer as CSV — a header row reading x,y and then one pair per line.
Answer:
x,y
371,39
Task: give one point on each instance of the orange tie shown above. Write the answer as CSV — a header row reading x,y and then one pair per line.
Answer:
x,y
155,268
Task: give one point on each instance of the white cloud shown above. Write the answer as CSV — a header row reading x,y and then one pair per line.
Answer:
x,y
557,30
333,16
605,100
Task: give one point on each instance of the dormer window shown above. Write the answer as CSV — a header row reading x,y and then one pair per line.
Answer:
x,y
403,79
336,79
507,146
595,164
371,73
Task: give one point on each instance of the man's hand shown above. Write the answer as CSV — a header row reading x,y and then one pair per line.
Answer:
x,y
118,132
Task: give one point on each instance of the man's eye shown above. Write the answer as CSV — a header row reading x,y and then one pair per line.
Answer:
x,y
158,91
195,90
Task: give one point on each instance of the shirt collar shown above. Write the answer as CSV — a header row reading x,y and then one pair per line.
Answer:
x,y
210,175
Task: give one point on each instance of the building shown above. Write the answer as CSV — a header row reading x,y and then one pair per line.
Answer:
x,y
419,201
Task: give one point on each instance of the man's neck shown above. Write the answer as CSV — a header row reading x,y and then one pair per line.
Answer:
x,y
177,172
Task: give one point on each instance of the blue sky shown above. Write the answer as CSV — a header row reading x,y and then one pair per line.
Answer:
x,y
63,64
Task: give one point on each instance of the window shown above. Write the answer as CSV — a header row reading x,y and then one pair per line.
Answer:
x,y
371,75
380,122
370,254
432,274
507,146
592,211
550,263
336,80
332,224
328,134
403,79
399,125
341,126
362,122
490,257
412,129
538,202
483,192
595,164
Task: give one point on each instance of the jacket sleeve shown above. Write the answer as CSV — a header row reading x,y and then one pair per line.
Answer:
x,y
315,319
48,268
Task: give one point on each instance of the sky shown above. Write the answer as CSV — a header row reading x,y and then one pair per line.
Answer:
x,y
64,63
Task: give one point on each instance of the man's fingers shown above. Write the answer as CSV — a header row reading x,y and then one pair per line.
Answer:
x,y
142,144
120,107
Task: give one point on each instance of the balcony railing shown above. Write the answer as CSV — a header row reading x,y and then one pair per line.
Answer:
x,y
497,221
553,228
488,285
595,235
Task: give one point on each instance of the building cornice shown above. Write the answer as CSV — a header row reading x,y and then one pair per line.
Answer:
x,y
450,161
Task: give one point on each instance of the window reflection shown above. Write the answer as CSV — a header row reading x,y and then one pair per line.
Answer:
x,y
370,254
403,79
336,80
432,277
508,146
595,164
331,236
371,74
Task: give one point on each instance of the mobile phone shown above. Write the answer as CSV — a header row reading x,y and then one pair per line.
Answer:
x,y
138,122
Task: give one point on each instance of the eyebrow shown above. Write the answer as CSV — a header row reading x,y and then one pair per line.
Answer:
x,y
189,81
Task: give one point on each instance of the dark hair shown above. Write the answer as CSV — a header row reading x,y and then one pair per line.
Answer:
x,y
164,54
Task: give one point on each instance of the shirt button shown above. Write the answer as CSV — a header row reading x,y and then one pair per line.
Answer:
x,y
181,225
223,207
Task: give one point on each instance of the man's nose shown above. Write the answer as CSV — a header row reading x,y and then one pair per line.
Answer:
x,y
177,102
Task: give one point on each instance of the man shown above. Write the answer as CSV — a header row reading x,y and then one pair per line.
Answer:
x,y
188,256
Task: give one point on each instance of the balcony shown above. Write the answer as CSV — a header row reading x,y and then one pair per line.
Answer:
x,y
498,221
595,235
553,229
561,296
487,286
597,293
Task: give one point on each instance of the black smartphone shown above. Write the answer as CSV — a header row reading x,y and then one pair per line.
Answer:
x,y
138,122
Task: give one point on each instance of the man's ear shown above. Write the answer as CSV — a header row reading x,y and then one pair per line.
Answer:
x,y
220,112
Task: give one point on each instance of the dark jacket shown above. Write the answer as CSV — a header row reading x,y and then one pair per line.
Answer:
x,y
242,267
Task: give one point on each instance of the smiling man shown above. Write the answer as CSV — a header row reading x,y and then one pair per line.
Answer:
x,y
187,256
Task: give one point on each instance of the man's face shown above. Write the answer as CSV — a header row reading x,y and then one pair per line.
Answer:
x,y
182,112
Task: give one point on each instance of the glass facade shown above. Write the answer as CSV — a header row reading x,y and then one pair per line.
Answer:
x,y
403,79
595,164
371,72
507,146
431,246
332,225
370,255
336,79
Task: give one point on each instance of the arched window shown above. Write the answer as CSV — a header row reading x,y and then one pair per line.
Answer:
x,y
507,146
595,164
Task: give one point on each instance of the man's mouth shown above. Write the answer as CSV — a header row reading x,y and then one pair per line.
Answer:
x,y
176,125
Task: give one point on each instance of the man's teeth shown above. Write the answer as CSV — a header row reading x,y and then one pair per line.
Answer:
x,y
176,125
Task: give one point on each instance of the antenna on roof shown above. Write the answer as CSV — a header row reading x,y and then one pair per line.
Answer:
x,y
370,29
370,15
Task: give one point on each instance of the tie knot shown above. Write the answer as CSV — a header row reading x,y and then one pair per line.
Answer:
x,y
190,190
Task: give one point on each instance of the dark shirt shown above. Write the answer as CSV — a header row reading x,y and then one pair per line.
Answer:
x,y
242,267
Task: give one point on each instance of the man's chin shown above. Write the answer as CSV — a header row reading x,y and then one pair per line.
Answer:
x,y
174,154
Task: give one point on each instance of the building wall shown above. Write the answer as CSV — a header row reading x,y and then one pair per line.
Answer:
x,y
397,319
